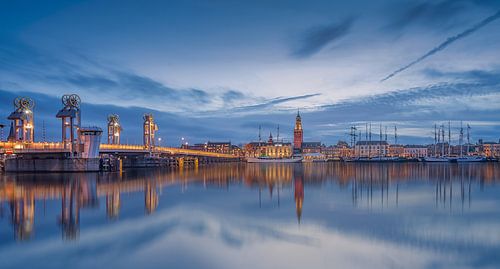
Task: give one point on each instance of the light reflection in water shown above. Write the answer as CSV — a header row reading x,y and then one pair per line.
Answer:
x,y
355,192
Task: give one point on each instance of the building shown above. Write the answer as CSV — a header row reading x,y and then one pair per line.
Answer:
x,y
298,133
312,151
415,151
277,150
237,151
396,151
311,147
490,149
338,151
371,148
219,147
271,149
199,146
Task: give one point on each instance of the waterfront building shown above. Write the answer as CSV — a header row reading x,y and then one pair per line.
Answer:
x,y
253,149
271,148
338,151
237,151
312,147
396,151
219,147
312,151
278,150
490,149
198,146
414,151
371,148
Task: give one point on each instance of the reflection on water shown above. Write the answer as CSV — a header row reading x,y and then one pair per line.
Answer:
x,y
383,202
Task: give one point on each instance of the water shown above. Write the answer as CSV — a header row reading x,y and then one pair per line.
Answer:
x,y
317,215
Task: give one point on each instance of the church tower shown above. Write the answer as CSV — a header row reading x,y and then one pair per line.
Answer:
x,y
298,132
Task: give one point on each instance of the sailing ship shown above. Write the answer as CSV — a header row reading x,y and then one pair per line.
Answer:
x,y
439,136
265,159
464,159
467,157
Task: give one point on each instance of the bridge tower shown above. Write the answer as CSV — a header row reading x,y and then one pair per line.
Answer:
x,y
70,116
114,129
149,128
23,128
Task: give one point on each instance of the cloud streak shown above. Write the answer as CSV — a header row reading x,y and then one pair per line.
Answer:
x,y
446,43
318,37
430,14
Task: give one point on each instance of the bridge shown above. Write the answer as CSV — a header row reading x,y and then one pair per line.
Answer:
x,y
80,147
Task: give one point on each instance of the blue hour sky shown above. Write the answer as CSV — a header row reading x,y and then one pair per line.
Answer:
x,y
216,70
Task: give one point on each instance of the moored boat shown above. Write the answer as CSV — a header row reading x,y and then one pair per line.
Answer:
x,y
465,159
437,159
274,160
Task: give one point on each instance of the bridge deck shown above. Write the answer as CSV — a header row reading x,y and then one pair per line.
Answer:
x,y
46,147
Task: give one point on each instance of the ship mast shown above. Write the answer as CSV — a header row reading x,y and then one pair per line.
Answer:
x,y
278,134
370,142
461,138
380,142
435,140
449,138
468,138
395,135
260,137
442,140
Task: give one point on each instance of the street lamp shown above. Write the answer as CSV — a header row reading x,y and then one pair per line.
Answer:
x,y
159,141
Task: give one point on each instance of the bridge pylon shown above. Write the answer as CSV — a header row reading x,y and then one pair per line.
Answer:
x,y
70,119
23,126
149,129
114,129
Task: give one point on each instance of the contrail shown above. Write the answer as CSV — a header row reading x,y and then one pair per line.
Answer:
x,y
446,43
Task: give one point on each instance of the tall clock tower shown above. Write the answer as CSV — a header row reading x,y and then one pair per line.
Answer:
x,y
298,132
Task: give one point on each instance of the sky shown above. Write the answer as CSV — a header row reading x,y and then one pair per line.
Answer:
x,y
216,70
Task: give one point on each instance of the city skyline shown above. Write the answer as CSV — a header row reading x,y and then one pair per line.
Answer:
x,y
217,71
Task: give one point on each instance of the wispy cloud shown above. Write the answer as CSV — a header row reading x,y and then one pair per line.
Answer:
x,y
431,13
446,43
263,106
316,38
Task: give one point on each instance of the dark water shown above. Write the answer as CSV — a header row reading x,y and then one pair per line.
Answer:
x,y
331,215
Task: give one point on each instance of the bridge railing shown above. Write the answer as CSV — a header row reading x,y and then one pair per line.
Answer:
x,y
20,147
122,147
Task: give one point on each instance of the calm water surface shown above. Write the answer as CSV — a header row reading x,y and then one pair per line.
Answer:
x,y
329,215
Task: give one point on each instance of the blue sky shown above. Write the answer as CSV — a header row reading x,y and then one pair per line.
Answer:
x,y
215,70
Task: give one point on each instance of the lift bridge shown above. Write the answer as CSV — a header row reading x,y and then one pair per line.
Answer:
x,y
78,142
